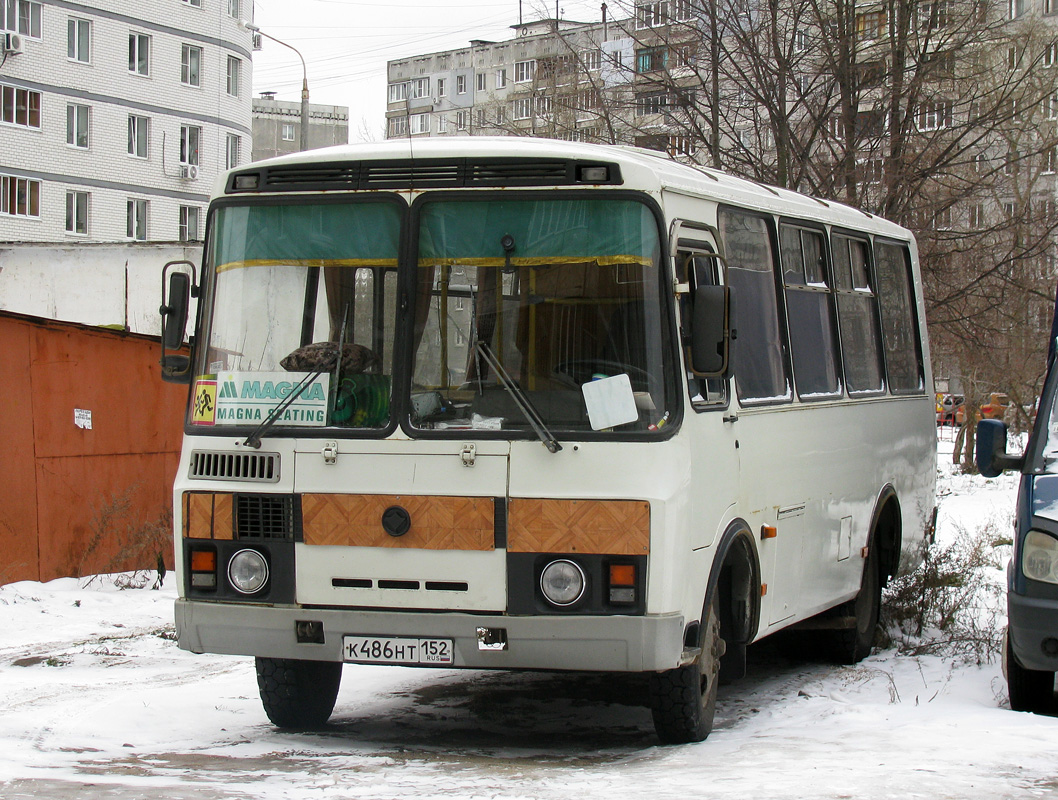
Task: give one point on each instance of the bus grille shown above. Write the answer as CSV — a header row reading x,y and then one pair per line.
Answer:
x,y
264,516
225,466
423,173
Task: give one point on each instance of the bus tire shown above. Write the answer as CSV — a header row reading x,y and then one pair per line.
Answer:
x,y
1030,690
298,695
683,700
852,645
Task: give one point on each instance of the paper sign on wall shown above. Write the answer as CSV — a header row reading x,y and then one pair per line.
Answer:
x,y
82,418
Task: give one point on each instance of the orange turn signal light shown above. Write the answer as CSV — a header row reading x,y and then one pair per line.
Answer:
x,y
203,561
622,575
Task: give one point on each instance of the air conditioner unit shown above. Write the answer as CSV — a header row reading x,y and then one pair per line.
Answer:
x,y
12,43
258,42
189,171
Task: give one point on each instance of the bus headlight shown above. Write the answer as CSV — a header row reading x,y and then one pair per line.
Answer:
x,y
562,582
1039,557
247,571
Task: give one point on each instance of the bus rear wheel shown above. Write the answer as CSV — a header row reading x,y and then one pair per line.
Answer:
x,y
298,695
852,645
1029,689
683,700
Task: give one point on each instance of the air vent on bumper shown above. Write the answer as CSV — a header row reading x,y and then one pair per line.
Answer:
x,y
227,466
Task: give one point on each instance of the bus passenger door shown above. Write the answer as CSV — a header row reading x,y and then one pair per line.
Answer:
x,y
714,450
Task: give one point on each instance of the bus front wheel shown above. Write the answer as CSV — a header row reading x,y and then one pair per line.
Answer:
x,y
298,695
683,700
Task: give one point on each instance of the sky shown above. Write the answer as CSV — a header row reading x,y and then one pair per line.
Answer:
x,y
346,44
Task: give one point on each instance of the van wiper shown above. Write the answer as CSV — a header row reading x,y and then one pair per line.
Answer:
x,y
521,400
254,439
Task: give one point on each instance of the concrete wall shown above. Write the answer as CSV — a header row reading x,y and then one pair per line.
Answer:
x,y
116,285
75,499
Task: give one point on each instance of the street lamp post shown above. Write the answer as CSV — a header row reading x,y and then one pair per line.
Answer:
x,y
303,138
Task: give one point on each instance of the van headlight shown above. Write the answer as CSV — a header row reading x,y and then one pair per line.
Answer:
x,y
562,582
248,571
1039,557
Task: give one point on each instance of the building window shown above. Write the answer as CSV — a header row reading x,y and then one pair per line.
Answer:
x,y
419,123
1050,160
501,79
234,9
935,115
461,84
442,89
1015,8
77,212
462,120
523,108
481,118
870,25
288,132
189,224
136,219
196,3
234,66
398,126
139,54
190,65
231,151
1050,54
651,59
802,41
977,216
190,137
19,197
481,81
1052,106
77,125
544,105
524,71
592,59
651,103
78,40
442,123
420,87
398,92
649,15
138,130
20,107
21,16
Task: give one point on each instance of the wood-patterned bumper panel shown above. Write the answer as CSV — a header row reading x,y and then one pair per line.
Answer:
x,y
615,527
437,523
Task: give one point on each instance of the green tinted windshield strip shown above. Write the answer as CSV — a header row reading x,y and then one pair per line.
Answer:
x,y
309,262
573,230
323,234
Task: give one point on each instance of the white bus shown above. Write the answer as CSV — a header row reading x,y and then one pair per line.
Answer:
x,y
503,403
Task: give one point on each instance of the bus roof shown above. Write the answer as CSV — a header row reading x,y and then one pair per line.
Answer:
x,y
642,169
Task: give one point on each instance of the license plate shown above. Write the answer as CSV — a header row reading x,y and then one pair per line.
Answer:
x,y
397,650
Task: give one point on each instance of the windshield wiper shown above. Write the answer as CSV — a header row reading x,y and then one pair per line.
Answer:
x,y
254,439
521,400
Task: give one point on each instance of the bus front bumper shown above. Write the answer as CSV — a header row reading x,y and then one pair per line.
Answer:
x,y
589,643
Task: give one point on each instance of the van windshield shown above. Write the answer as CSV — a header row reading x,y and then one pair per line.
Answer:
x,y
557,302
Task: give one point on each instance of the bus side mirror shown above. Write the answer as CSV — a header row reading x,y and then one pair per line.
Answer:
x,y
991,453
176,303
710,331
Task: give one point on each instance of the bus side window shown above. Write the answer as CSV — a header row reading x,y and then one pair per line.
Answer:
x,y
900,337
698,268
810,312
758,352
857,316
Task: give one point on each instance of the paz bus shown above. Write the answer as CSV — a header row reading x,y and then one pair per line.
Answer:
x,y
505,403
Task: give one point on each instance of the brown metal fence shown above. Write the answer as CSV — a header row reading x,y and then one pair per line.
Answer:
x,y
89,443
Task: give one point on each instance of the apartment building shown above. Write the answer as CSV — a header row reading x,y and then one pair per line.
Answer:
x,y
117,118
548,80
277,126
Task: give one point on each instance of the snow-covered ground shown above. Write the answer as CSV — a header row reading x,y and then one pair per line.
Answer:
x,y
96,701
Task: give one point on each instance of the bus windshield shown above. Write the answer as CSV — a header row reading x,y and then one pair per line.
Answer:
x,y
551,304
553,301
303,305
